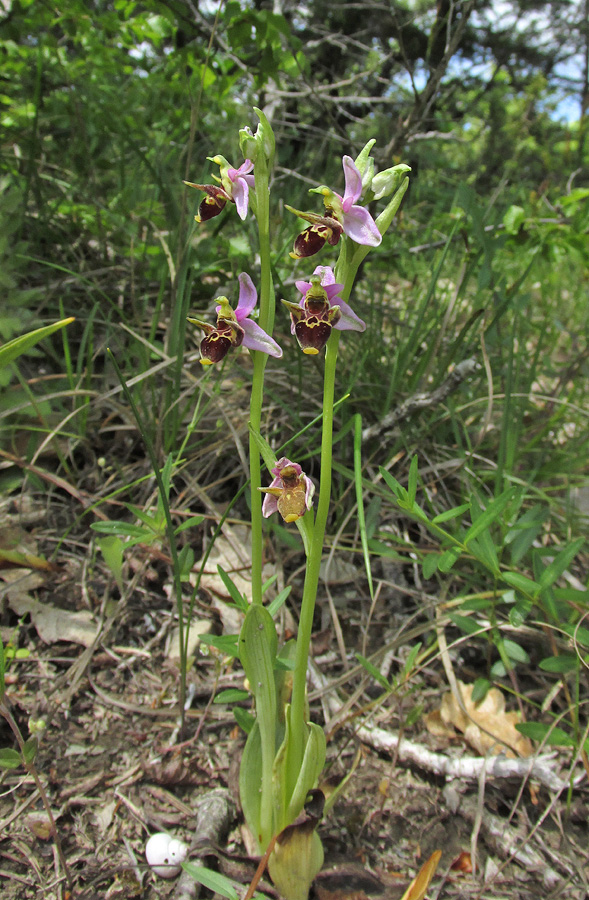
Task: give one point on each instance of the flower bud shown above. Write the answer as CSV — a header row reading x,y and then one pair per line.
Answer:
x,y
387,181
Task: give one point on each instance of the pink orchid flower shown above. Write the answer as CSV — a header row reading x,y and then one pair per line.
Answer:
x,y
234,327
234,184
290,492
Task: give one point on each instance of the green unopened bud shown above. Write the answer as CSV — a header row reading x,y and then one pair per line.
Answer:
x,y
387,181
262,142
364,161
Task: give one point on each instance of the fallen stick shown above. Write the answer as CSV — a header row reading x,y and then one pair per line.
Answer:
x,y
468,768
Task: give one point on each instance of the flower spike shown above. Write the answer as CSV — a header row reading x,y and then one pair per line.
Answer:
x,y
290,492
234,327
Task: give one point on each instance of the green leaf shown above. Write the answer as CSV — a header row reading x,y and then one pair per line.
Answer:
x,y
480,689
279,600
483,520
412,481
429,564
15,348
451,514
266,451
30,749
578,634
250,779
560,665
237,597
112,549
414,715
513,219
224,643
185,562
373,671
515,652
397,489
10,759
122,529
466,624
448,558
547,734
192,522
311,768
560,563
521,582
258,644
244,719
232,695
213,881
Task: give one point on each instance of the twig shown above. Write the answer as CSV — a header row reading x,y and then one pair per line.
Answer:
x,y
423,400
464,767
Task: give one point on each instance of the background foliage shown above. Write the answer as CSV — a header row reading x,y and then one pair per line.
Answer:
x,y
108,106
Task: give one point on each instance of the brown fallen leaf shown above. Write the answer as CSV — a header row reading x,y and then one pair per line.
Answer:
x,y
52,622
486,726
421,882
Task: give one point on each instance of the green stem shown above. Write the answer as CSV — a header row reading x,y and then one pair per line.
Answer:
x,y
266,321
298,714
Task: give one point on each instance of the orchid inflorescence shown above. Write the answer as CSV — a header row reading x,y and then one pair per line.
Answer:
x,y
285,752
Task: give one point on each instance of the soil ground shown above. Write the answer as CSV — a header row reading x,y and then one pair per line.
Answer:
x,y
116,768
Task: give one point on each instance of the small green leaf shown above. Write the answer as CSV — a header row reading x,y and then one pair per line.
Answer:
x,y
30,749
429,564
480,689
560,665
213,881
560,563
521,582
224,643
232,695
412,481
192,522
547,734
244,719
466,624
15,348
414,715
112,549
279,600
483,520
451,514
237,597
185,562
515,652
372,670
265,449
448,558
10,759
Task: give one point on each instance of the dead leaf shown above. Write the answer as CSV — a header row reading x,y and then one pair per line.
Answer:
x,y
52,622
198,627
420,884
486,726
462,863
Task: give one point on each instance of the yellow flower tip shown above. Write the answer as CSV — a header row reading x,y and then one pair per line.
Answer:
x,y
206,362
310,351
198,219
291,517
294,255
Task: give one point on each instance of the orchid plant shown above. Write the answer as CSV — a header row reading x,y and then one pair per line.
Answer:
x,y
285,752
